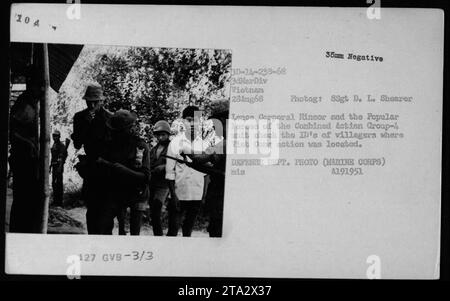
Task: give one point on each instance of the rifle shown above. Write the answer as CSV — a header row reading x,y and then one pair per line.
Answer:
x,y
199,167
177,159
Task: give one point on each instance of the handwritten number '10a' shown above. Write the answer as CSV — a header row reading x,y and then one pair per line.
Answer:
x,y
26,20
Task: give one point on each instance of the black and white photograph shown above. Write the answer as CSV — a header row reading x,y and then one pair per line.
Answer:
x,y
114,140
224,141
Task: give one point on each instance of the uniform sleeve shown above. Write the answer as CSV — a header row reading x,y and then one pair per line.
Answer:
x,y
64,156
139,176
146,169
172,151
78,131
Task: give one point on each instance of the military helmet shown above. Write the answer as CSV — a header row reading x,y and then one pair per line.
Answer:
x,y
122,119
162,126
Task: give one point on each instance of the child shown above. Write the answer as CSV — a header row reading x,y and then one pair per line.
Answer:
x,y
159,188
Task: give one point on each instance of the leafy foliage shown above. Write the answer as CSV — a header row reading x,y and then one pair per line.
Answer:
x,y
156,83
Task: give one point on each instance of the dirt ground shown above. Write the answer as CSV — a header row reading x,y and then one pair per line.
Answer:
x,y
73,221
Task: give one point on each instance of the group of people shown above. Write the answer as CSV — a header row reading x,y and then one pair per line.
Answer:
x,y
120,171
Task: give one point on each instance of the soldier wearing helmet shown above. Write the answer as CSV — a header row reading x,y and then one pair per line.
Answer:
x,y
158,185
59,155
125,173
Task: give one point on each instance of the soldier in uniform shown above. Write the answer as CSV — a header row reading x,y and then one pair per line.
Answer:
x,y
59,155
91,133
159,188
125,168
24,159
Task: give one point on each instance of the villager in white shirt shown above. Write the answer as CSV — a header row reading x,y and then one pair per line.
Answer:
x,y
188,181
186,185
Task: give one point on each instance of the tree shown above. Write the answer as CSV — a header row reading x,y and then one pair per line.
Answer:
x,y
157,83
